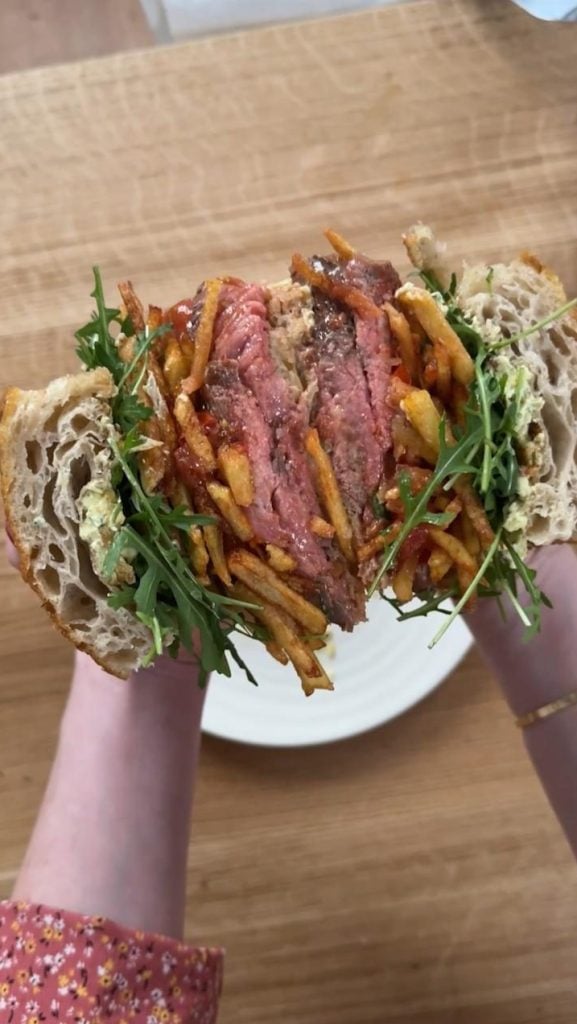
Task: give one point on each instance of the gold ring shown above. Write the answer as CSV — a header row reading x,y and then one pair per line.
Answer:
x,y
546,710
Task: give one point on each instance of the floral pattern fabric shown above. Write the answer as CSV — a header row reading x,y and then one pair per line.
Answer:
x,y
60,966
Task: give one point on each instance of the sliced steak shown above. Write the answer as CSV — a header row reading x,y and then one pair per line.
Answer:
x,y
349,357
245,387
236,409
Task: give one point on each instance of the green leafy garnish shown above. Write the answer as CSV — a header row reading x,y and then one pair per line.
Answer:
x,y
166,596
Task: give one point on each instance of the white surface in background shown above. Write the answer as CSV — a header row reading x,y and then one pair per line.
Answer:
x,y
550,10
181,18
176,19
379,671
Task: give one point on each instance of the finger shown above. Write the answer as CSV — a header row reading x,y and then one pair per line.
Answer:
x,y
11,551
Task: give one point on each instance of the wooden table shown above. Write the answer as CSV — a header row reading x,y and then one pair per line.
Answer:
x,y
416,874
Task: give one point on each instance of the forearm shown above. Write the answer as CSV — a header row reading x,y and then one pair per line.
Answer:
x,y
112,834
534,673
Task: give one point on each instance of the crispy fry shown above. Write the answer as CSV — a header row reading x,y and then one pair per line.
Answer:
x,y
458,401
454,547
276,651
154,461
284,632
465,573
213,540
228,508
379,543
280,560
402,582
329,494
176,366
203,336
402,334
339,244
433,322
407,442
154,318
442,360
470,536
133,304
316,643
199,556
420,410
349,296
439,564
475,511
320,526
194,435
318,681
233,463
399,390
261,578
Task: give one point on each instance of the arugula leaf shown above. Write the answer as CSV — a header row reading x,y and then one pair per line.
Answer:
x,y
485,450
166,595
96,346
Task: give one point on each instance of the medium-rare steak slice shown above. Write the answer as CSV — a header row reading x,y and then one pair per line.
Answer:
x,y
245,389
347,355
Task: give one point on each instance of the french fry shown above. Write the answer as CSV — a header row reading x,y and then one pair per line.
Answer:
x,y
203,336
406,441
263,580
133,304
471,538
475,511
153,462
379,543
420,410
439,564
276,651
228,508
280,560
194,435
402,582
329,494
283,631
199,556
339,244
443,383
213,540
154,318
433,322
176,366
318,681
454,547
233,463
320,526
316,643
352,297
399,390
401,331
459,399
465,573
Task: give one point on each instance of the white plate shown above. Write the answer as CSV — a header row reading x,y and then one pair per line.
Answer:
x,y
379,671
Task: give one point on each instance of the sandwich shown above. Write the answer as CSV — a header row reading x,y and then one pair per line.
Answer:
x,y
261,459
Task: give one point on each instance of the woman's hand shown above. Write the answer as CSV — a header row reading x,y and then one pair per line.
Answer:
x,y
535,672
112,834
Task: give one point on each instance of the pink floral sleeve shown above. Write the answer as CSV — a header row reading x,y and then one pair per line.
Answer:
x,y
59,966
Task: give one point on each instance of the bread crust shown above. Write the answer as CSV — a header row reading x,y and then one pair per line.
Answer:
x,y
96,383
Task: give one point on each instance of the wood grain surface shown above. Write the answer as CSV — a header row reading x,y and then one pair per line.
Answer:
x,y
416,874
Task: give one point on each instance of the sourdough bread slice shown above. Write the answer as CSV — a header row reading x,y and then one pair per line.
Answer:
x,y
53,450
504,300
